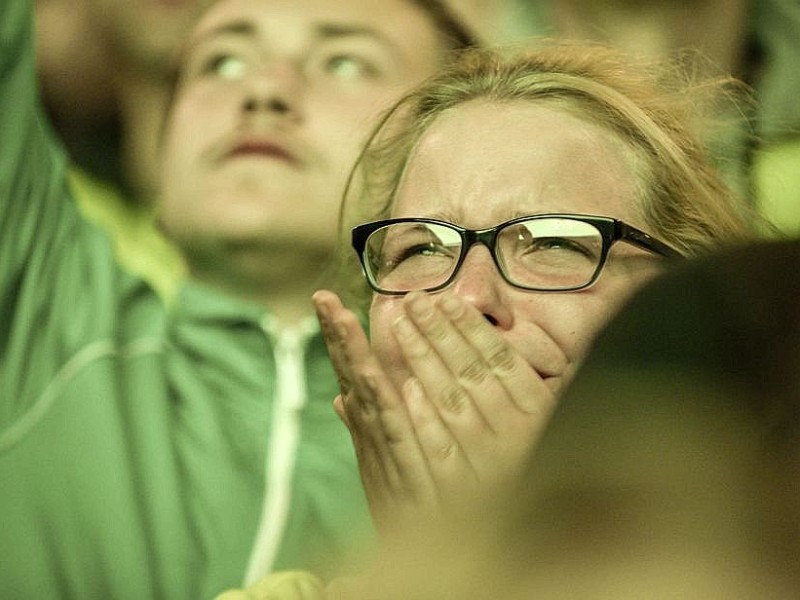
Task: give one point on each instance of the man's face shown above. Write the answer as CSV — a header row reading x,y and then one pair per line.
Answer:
x,y
274,102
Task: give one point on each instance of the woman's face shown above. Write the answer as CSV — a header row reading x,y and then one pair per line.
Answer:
x,y
482,163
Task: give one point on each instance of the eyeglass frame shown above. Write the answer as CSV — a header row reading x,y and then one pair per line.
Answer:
x,y
611,231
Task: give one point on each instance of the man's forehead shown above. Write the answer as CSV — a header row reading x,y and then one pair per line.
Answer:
x,y
318,30
322,18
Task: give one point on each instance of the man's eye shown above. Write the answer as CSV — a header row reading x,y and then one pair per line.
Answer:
x,y
225,66
349,67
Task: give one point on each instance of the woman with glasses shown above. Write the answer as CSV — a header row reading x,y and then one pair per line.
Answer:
x,y
503,212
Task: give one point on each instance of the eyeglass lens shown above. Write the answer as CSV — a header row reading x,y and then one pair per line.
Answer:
x,y
549,253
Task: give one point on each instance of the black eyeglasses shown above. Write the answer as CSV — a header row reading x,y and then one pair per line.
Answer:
x,y
547,253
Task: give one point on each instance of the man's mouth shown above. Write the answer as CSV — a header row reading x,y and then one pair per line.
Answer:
x,y
263,149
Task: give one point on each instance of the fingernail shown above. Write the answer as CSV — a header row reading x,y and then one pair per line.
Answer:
x,y
420,305
338,407
318,303
402,327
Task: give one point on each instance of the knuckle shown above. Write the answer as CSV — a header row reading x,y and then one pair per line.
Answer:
x,y
446,451
395,436
366,407
501,359
475,372
420,352
455,400
437,332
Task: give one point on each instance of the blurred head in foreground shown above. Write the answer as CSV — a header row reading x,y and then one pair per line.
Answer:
x,y
671,468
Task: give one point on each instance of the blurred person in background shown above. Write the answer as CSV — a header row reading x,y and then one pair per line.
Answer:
x,y
107,74
106,71
112,59
753,40
76,75
147,453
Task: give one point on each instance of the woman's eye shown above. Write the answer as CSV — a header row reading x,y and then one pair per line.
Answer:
x,y
421,250
559,243
429,252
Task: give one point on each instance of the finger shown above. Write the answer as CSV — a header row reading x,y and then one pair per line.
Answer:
x,y
522,384
482,361
394,437
338,324
376,475
353,356
338,407
523,388
371,407
348,350
360,411
451,371
395,475
447,460
450,430
477,383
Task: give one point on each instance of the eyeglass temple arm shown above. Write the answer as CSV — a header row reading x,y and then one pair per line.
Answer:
x,y
639,238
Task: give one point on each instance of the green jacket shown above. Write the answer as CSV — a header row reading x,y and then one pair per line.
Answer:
x,y
138,449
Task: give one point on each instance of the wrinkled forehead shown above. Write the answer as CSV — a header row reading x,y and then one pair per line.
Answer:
x,y
502,159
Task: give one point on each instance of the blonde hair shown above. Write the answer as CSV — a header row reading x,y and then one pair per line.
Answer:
x,y
680,194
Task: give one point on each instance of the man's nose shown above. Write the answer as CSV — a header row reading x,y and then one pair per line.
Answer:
x,y
479,282
276,88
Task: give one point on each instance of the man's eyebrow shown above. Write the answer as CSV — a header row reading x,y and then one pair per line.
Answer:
x,y
247,29
341,30
238,28
241,28
326,31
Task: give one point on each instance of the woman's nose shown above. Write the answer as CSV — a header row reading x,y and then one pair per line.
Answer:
x,y
479,282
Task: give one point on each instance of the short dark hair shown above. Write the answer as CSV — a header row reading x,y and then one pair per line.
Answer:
x,y
457,34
